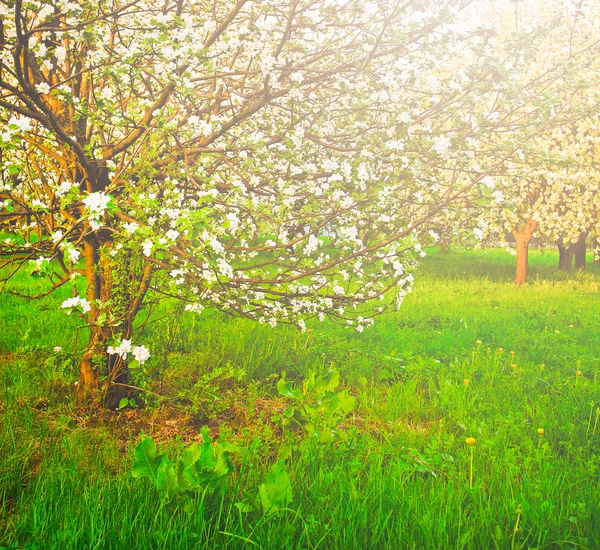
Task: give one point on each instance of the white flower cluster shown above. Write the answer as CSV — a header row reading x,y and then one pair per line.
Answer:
x,y
96,205
140,353
74,302
68,248
16,125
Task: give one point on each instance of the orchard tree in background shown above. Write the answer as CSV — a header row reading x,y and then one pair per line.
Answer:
x,y
550,189
278,160
572,213
556,197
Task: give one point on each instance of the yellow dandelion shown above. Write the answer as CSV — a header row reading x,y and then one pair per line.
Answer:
x,y
466,381
470,441
478,342
541,431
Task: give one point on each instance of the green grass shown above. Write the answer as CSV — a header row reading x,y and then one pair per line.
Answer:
x,y
402,481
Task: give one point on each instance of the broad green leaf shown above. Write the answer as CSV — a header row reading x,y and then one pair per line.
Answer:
x,y
191,455
343,402
147,460
329,382
199,464
287,389
223,467
285,452
166,477
276,492
244,508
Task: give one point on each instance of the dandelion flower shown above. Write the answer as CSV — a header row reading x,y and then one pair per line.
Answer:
x,y
470,441
541,431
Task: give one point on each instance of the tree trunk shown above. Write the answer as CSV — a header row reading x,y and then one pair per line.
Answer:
x,y
580,252
88,374
444,248
564,259
118,381
574,250
522,239
96,361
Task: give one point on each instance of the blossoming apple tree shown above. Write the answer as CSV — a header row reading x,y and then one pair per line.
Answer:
x,y
276,159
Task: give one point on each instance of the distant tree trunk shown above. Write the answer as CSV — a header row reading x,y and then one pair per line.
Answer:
x,y
580,252
522,239
575,250
444,248
564,260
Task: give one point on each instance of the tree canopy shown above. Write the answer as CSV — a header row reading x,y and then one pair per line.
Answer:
x,y
280,159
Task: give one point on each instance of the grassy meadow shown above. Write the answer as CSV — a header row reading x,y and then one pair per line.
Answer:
x,y
469,355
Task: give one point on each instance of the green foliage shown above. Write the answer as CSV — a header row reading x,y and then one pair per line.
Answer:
x,y
208,394
61,365
147,460
127,402
317,408
276,491
199,469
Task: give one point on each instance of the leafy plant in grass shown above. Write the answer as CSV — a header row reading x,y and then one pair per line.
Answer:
x,y
276,491
199,470
317,409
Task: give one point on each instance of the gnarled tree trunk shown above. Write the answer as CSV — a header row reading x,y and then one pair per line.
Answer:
x,y
565,260
96,362
580,252
522,239
574,250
